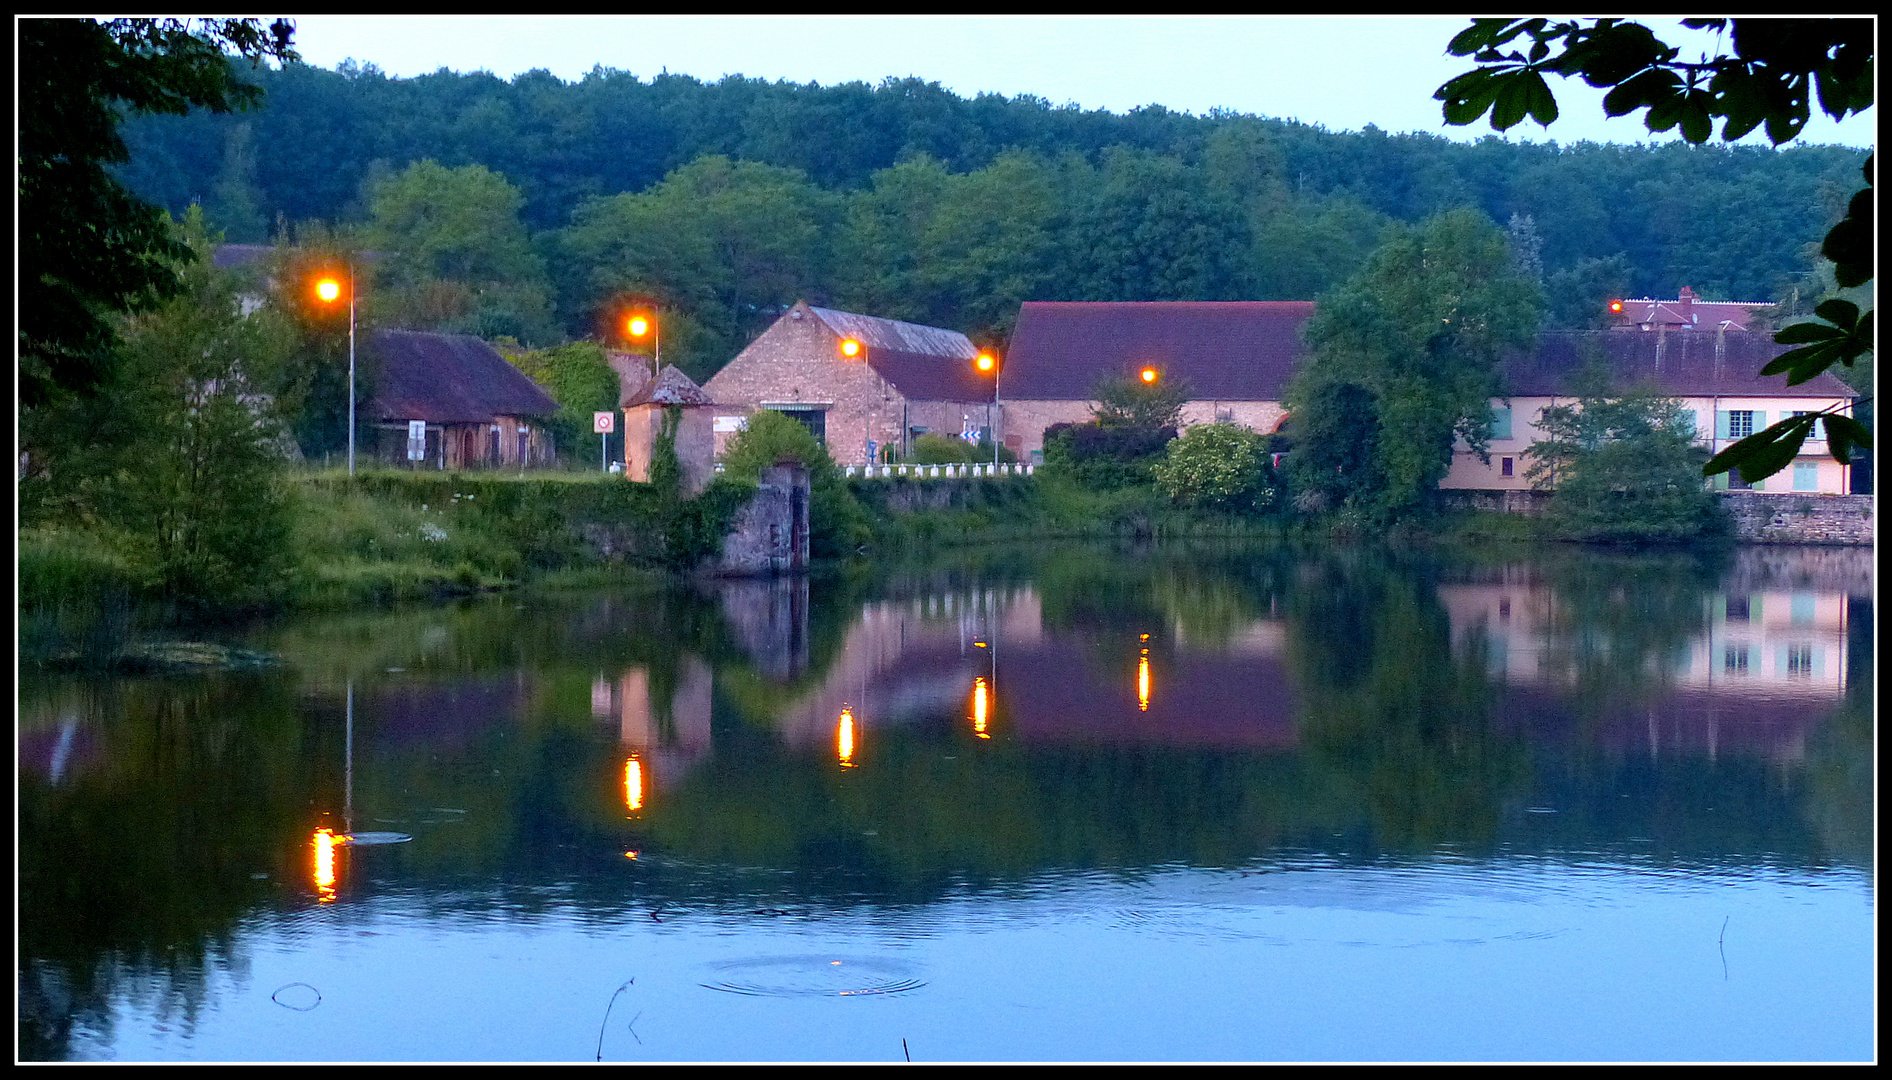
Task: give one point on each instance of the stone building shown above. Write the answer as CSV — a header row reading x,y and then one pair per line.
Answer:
x,y
865,386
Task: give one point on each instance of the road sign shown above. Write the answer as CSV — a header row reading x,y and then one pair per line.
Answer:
x,y
603,423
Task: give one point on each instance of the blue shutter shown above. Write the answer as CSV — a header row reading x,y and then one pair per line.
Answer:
x,y
1500,423
1721,425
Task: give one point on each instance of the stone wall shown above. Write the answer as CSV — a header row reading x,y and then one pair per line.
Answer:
x,y
771,533
1758,517
1766,517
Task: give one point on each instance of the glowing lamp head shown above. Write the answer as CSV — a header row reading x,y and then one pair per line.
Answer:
x,y
328,289
1616,307
850,348
987,361
1148,375
637,326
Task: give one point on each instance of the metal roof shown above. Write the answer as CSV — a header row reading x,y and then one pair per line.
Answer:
x,y
891,334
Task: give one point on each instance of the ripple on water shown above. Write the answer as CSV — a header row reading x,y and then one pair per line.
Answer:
x,y
823,975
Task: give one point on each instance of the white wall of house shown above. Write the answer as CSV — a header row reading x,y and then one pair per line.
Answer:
x,y
1719,423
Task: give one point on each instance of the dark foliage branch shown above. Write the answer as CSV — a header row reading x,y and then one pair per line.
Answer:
x,y
89,249
1777,69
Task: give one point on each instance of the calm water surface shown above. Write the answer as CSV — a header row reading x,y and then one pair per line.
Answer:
x,y
1170,803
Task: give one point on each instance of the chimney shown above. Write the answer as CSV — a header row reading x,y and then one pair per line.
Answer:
x,y
1687,305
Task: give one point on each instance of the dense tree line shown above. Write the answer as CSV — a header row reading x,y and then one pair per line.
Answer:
x,y
725,200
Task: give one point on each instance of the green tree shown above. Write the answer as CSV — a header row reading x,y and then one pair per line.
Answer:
x,y
1334,432
726,243
1217,467
1149,404
581,380
458,259
1625,469
89,249
1776,69
196,493
1421,329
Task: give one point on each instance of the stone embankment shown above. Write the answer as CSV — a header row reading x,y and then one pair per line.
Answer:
x,y
1758,517
1766,517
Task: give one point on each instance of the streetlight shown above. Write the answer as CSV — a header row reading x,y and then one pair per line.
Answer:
x,y
988,363
851,348
638,325
328,290
1148,375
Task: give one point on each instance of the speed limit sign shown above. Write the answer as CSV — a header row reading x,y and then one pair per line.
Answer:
x,y
601,422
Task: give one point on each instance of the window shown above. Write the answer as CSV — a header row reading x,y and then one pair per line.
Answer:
x,y
1800,660
1740,423
1505,467
1737,609
1806,476
1734,659
1501,424
1818,434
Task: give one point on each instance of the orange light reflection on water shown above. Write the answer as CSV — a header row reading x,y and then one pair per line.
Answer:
x,y
844,738
325,841
1143,681
981,707
633,785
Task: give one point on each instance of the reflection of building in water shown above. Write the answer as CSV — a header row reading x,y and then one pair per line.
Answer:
x,y
985,660
665,738
769,617
1760,670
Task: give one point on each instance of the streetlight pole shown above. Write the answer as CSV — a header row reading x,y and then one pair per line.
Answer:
x,y
328,290
351,369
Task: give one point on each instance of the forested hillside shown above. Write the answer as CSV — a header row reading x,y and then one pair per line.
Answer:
x,y
725,201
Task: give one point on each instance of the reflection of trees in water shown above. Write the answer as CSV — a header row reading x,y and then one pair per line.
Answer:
x,y
1616,624
1388,714
140,862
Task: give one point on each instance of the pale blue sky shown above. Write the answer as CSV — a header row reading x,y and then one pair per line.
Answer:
x,y
1342,73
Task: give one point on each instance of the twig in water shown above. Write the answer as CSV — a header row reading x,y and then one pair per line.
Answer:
x,y
1724,947
607,1017
903,1048
632,1028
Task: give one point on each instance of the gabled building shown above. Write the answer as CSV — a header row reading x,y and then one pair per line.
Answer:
x,y
475,409
1716,376
1236,358
865,386
1685,312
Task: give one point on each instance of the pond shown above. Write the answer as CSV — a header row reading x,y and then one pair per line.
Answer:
x,y
1172,802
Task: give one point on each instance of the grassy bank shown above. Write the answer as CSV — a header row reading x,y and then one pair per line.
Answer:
x,y
374,539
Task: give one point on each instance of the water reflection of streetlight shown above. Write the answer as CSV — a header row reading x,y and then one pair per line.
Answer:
x,y
325,844
981,707
326,840
844,738
1143,677
634,784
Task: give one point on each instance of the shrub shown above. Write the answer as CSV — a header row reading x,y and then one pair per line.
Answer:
x,y
1105,458
1217,467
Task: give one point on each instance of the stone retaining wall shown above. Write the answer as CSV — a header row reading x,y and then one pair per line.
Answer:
x,y
1766,517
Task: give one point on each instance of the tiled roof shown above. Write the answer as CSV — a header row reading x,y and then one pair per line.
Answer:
x,y
447,379
1228,351
1693,314
1680,363
926,363
671,387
